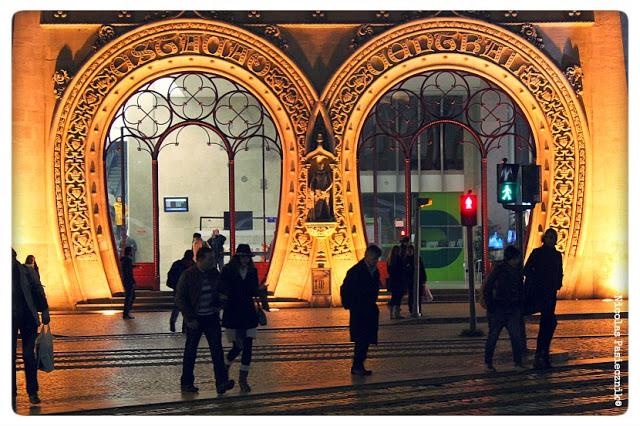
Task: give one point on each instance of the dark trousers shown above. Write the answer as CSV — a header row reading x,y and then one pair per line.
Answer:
x,y
411,291
360,354
175,312
499,319
209,326
246,347
129,297
219,261
548,324
397,293
28,333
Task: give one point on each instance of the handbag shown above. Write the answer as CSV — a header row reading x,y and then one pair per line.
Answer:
x,y
44,349
425,294
262,317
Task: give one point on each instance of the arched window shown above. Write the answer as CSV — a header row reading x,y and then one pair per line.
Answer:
x,y
430,134
191,152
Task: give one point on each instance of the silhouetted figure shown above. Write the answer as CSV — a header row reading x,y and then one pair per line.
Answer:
x,y
395,283
408,269
128,281
544,278
503,295
27,299
216,242
239,287
198,299
359,294
177,268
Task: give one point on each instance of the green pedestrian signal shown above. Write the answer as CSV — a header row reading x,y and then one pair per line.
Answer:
x,y
508,192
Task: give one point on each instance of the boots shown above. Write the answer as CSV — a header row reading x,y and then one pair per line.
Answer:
x,y
244,386
396,312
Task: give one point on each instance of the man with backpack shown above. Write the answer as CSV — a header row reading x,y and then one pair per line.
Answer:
x,y
177,268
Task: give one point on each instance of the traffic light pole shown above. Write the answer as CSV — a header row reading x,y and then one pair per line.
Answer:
x,y
472,286
417,311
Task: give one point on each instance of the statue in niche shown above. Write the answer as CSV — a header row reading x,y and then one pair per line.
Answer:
x,y
320,185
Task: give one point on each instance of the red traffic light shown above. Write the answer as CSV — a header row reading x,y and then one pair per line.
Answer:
x,y
403,233
469,209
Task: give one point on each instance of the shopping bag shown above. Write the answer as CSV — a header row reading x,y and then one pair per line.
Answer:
x,y
44,349
425,294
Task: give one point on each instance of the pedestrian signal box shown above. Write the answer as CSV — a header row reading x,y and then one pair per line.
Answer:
x,y
508,186
518,184
469,209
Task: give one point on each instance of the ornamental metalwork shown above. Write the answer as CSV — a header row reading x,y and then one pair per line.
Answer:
x,y
492,48
106,33
224,113
140,49
363,33
403,117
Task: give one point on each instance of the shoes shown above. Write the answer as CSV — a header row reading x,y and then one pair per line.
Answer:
x,y
228,385
189,388
244,385
489,368
34,399
360,371
541,364
128,317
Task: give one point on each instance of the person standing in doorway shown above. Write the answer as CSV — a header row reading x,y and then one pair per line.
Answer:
x,y
176,270
128,281
198,299
359,294
503,295
120,212
216,242
395,282
27,299
197,243
544,277
240,287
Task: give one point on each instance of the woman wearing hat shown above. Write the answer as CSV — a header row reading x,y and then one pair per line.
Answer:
x,y
239,285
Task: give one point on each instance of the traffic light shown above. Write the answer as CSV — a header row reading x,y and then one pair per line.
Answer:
x,y
469,209
508,186
530,183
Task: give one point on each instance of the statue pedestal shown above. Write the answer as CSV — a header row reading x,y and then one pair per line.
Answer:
x,y
321,263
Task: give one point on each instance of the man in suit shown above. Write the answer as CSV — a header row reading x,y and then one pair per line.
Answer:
x,y
359,293
27,299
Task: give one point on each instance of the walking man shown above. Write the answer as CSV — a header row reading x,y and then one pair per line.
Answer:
x,y
197,243
359,293
544,277
198,299
503,295
129,282
177,268
216,242
27,299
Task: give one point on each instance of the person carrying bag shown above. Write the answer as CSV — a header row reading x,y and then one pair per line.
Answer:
x,y
44,349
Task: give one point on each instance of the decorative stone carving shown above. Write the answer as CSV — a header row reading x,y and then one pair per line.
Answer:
x,y
274,35
320,198
106,33
60,79
574,74
535,72
529,32
363,33
136,50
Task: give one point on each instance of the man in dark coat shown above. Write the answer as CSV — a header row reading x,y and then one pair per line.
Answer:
x,y
544,278
359,293
177,268
128,281
503,295
27,299
216,242
198,299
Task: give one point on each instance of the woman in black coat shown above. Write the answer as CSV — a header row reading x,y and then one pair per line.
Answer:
x,y
408,268
239,286
395,282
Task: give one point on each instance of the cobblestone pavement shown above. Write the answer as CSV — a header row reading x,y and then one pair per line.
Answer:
x,y
99,366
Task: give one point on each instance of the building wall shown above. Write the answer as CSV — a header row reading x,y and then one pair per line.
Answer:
x,y
39,50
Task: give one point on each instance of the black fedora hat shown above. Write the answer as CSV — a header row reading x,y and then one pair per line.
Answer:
x,y
244,250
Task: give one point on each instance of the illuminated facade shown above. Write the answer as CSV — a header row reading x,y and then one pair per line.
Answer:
x,y
318,96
